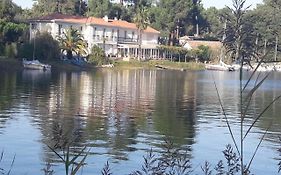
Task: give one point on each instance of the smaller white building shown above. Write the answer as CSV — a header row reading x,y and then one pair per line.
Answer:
x,y
118,38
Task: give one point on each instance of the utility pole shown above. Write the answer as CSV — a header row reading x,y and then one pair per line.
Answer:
x,y
276,48
265,43
197,26
178,29
256,47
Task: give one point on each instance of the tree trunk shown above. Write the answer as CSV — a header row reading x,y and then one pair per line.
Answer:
x,y
140,39
69,54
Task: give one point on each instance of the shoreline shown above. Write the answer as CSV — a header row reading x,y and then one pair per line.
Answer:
x,y
16,64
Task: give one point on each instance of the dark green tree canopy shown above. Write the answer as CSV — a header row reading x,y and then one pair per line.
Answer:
x,y
71,7
8,10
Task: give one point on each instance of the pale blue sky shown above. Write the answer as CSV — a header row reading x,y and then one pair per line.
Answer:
x,y
206,3
222,3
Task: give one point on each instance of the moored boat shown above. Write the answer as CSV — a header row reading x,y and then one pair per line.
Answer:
x,y
219,67
35,64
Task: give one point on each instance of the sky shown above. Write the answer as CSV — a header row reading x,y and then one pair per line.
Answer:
x,y
206,3
222,3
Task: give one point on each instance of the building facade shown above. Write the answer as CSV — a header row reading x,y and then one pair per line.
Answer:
x,y
117,38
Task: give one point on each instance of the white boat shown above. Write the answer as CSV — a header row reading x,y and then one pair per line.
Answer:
x,y
35,64
220,67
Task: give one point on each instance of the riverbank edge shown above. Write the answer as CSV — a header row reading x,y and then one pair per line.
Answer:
x,y
159,64
16,64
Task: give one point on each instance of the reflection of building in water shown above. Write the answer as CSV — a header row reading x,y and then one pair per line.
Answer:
x,y
105,92
122,90
109,103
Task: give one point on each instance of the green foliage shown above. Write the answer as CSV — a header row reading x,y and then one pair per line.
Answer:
x,y
46,48
12,31
141,20
239,36
25,50
11,50
99,8
120,12
97,56
202,53
62,149
171,16
8,10
72,41
71,7
214,26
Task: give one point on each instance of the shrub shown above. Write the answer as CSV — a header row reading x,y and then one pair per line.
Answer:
x,y
12,31
97,56
202,53
25,50
46,47
10,50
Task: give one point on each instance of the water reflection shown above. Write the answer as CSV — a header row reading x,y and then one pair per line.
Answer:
x,y
121,114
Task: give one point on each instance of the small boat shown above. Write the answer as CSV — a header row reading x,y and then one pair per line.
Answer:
x,y
219,67
35,64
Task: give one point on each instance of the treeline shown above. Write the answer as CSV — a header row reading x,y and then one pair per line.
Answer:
x,y
173,18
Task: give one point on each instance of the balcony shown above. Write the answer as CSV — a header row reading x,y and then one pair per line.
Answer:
x,y
127,40
120,40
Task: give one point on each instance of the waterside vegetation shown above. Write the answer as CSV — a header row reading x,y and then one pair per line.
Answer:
x,y
177,161
173,18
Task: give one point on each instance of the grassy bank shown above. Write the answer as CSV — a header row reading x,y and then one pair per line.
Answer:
x,y
152,63
16,64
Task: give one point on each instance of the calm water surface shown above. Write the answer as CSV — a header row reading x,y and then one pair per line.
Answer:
x,y
122,114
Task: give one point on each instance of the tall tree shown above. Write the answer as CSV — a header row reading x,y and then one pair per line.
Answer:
x,y
8,10
240,36
214,22
99,8
72,41
141,20
71,7
177,18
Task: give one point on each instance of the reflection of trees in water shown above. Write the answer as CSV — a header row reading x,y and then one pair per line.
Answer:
x,y
121,95
103,109
270,118
7,95
175,106
7,89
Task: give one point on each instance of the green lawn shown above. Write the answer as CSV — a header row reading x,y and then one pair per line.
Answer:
x,y
164,63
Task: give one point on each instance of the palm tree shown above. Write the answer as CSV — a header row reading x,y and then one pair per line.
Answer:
x,y
141,20
72,41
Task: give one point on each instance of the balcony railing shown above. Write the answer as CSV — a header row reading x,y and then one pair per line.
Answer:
x,y
121,40
127,40
104,39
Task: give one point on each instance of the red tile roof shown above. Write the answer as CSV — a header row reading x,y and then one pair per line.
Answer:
x,y
91,20
211,44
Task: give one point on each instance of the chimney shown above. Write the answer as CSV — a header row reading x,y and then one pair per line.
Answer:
x,y
105,18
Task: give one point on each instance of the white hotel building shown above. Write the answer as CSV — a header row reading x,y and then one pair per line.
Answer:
x,y
117,37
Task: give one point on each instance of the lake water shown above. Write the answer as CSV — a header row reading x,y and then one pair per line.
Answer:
x,y
122,114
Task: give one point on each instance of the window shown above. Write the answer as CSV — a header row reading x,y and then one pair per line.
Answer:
x,y
59,29
103,33
125,34
33,26
81,28
133,35
112,33
95,32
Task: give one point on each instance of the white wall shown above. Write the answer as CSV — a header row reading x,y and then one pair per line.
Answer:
x,y
94,34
